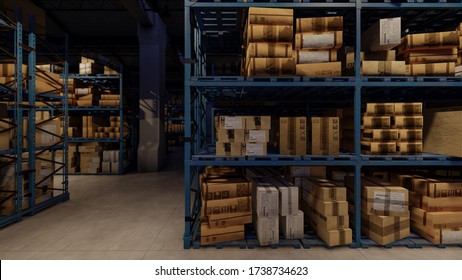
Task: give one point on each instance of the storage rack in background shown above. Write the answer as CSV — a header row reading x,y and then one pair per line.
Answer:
x,y
214,25
174,120
125,141
22,105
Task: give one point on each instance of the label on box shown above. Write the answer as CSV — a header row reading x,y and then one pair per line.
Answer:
x,y
254,149
389,33
313,57
233,123
389,201
318,40
257,135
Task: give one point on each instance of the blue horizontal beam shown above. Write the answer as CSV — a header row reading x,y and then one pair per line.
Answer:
x,y
7,152
88,140
94,108
270,84
219,5
440,5
95,77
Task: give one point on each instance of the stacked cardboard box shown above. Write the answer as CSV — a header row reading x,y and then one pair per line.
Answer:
x,y
265,211
91,124
109,98
324,136
443,131
88,66
110,163
326,207
90,158
87,96
242,135
430,54
226,205
316,43
268,38
111,131
385,215
47,82
72,158
436,212
392,128
292,136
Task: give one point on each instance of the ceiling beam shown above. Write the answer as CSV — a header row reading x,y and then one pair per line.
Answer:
x,y
139,13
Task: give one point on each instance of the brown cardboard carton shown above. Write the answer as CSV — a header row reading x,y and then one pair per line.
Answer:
x,y
384,35
230,135
425,40
230,188
385,201
336,237
441,203
224,206
442,132
8,70
315,56
437,188
385,230
228,149
254,149
319,24
409,148
292,137
260,66
410,134
215,235
307,171
323,189
288,200
270,16
229,219
268,50
258,122
256,136
231,122
438,236
267,230
331,131
430,55
47,133
321,222
437,220
432,69
380,109
409,108
389,55
327,208
383,68
292,225
326,69
5,134
408,122
269,33
376,122
380,135
319,40
315,136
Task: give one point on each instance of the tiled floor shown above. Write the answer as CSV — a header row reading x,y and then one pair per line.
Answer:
x,y
140,216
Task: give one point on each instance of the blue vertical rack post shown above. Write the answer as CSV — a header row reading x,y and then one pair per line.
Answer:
x,y
198,85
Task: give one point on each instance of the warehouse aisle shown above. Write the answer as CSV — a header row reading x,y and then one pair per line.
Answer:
x,y
140,216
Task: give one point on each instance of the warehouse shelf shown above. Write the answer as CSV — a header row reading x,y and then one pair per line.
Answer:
x,y
208,22
90,140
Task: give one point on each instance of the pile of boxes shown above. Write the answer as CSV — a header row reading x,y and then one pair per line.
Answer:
x,y
325,204
109,98
90,158
113,131
268,39
385,215
317,41
110,163
430,54
226,205
292,136
242,135
392,128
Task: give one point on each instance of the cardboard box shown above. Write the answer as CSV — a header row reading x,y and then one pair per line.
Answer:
x,y
323,189
383,68
432,69
437,204
336,237
269,33
437,220
292,135
258,122
319,40
8,70
385,230
442,132
425,40
319,24
385,201
266,198
326,69
261,66
267,230
256,136
270,16
321,222
215,235
229,188
430,55
315,136
268,50
230,135
254,149
409,108
408,122
326,208
380,135
307,171
6,131
231,122
292,225
389,55
229,219
228,149
331,135
437,188
384,35
380,109
315,56
46,133
438,236
225,206
288,200
376,122
409,148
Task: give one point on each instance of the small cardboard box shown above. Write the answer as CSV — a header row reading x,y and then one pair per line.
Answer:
x,y
225,206
292,225
432,69
376,122
336,237
228,149
323,189
254,149
264,66
231,135
409,148
319,40
384,35
229,188
380,109
315,56
268,50
408,122
319,24
385,201
270,16
326,69
267,230
383,68
326,208
322,222
266,198
256,136
425,40
292,135
380,135
215,235
410,134
437,220
409,108
269,33
258,122
437,188
231,122
229,219
438,236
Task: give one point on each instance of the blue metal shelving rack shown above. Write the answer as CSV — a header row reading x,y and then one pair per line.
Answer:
x,y
106,81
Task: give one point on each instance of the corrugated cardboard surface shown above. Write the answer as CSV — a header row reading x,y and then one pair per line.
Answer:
x,y
442,132
384,35
267,230
318,40
292,225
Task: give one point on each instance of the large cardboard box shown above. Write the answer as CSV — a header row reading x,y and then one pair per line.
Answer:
x,y
409,108
256,136
264,66
319,40
376,122
231,122
229,219
225,206
292,136
438,236
384,35
230,135
432,69
323,189
336,237
408,122
270,16
228,149
383,68
331,135
229,188
268,50
254,149
436,204
258,122
321,222
288,200
319,24
266,201
8,70
443,131
315,56
326,208
325,69
425,40
215,235
380,109
380,135
437,188
409,148
430,55
385,230
267,230
292,225
385,201
269,33
437,220
46,133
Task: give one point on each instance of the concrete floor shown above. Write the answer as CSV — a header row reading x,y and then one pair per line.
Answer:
x,y
140,216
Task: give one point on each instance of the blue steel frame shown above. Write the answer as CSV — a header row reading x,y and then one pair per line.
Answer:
x,y
196,84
